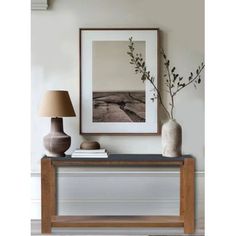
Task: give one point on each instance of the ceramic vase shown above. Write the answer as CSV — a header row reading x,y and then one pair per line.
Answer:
x,y
56,142
171,139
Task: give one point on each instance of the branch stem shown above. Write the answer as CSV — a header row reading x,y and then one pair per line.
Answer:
x,y
169,85
159,97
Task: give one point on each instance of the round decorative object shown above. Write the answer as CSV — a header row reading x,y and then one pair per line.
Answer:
x,y
89,145
171,139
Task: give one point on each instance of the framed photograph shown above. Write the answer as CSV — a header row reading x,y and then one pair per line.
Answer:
x,y
113,98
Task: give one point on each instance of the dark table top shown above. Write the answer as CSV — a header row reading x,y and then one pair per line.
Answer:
x,y
120,160
126,157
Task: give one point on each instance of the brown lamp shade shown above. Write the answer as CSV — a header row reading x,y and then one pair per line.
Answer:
x,y
56,103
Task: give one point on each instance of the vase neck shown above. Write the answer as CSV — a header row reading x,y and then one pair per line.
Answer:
x,y
56,125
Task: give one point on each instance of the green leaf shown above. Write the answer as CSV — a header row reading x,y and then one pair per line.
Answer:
x,y
143,77
175,76
163,53
167,63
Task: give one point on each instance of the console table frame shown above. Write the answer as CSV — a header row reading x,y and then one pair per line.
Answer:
x,y
49,193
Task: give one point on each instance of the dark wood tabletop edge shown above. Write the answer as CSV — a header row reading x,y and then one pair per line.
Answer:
x,y
123,158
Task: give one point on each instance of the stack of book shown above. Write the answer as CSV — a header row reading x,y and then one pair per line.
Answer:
x,y
94,153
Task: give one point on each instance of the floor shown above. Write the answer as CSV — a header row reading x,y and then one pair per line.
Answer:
x,y
36,231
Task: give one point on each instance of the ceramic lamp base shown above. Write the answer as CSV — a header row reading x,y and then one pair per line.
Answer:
x,y
56,142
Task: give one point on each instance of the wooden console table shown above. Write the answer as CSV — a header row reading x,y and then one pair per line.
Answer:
x,y
187,185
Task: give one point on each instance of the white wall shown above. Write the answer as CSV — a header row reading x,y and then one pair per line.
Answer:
x,y
55,65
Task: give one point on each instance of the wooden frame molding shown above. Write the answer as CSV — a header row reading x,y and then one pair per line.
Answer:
x,y
186,217
151,126
39,4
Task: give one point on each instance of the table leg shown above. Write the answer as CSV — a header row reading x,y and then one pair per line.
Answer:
x,y
181,210
188,195
48,194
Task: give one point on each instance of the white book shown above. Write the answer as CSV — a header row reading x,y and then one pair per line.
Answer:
x,y
85,155
90,151
89,156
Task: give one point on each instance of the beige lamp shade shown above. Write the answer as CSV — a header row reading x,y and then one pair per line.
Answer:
x,y
56,103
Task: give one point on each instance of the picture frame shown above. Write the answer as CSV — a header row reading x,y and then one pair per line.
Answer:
x,y
113,98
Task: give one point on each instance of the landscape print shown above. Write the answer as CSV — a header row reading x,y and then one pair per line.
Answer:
x,y
118,92
119,106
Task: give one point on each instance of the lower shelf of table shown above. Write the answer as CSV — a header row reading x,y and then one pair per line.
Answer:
x,y
117,221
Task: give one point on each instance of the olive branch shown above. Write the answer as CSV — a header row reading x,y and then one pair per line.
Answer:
x,y
172,80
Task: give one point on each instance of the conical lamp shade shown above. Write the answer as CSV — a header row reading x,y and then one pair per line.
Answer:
x,y
56,103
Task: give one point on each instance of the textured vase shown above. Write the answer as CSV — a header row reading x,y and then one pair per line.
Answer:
x,y
171,139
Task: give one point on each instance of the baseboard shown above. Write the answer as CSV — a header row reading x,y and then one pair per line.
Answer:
x,y
117,172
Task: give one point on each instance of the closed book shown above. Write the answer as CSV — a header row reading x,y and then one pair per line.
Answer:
x,y
85,155
88,156
90,151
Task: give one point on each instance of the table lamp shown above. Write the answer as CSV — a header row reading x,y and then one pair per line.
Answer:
x,y
56,104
